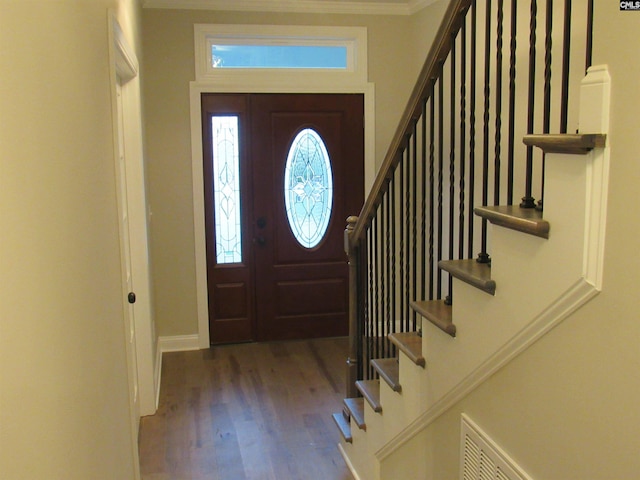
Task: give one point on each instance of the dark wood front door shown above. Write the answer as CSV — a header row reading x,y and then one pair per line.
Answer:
x,y
288,275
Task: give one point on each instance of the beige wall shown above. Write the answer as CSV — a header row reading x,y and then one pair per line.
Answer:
x,y
64,405
567,408
169,67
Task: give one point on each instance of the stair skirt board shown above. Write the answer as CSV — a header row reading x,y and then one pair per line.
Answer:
x,y
347,460
570,301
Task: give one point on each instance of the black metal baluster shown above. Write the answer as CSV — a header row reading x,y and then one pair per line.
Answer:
x,y
388,257
393,286
483,256
528,201
452,160
362,310
423,209
432,136
498,125
414,217
589,49
440,173
472,128
370,252
383,263
546,113
376,305
566,58
401,234
463,127
512,100
407,231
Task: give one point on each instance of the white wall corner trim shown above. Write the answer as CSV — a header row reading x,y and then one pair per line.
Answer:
x,y
125,60
595,94
158,371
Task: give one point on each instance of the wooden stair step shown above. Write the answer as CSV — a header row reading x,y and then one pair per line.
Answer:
x,y
389,370
370,390
471,272
355,406
343,426
438,313
527,220
579,143
409,343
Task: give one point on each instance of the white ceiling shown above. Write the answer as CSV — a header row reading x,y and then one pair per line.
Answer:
x,y
372,7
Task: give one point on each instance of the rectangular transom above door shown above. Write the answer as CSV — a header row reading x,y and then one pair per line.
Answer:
x,y
282,173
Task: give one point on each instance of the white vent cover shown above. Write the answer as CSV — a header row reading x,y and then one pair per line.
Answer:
x,y
482,459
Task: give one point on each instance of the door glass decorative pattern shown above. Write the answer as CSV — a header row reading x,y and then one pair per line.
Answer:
x,y
308,188
226,189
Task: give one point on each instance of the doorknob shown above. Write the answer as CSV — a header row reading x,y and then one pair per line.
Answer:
x,y
260,240
131,297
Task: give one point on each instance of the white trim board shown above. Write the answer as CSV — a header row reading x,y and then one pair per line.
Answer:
x,y
178,343
357,7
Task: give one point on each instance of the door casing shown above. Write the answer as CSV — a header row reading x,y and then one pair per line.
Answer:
x,y
125,78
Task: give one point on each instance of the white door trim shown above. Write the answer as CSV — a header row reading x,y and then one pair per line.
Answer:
x,y
124,76
260,82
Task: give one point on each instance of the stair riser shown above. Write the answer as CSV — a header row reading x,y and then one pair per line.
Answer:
x,y
530,273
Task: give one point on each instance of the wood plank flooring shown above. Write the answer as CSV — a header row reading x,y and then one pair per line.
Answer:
x,y
249,411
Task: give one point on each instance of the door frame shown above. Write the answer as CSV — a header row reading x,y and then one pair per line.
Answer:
x,y
260,82
124,71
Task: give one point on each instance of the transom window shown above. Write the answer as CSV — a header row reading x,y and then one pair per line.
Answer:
x,y
226,51
278,56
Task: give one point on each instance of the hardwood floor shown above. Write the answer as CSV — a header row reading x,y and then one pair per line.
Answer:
x,y
248,411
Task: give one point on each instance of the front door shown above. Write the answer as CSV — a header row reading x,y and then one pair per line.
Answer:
x,y
282,173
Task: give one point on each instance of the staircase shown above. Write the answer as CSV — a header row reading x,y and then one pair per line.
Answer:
x,y
416,348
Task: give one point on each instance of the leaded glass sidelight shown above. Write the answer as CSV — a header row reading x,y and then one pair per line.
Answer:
x,y
226,189
308,188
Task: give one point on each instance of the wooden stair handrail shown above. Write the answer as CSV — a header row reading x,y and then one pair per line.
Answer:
x,y
451,24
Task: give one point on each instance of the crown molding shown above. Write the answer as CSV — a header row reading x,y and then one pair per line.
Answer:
x,y
406,7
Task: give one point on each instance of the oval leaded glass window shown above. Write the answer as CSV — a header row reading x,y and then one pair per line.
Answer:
x,y
308,188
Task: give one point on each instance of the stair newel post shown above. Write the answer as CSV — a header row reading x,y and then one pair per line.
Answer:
x,y
352,359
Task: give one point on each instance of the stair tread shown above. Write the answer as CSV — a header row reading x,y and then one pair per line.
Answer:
x,y
438,313
355,406
471,272
579,143
527,220
343,426
370,390
389,370
409,343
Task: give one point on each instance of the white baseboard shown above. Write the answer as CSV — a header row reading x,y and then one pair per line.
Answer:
x,y
178,343
348,462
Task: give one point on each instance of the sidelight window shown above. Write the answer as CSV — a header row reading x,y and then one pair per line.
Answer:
x,y
308,188
226,189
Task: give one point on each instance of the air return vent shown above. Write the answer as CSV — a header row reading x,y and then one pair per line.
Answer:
x,y
482,459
